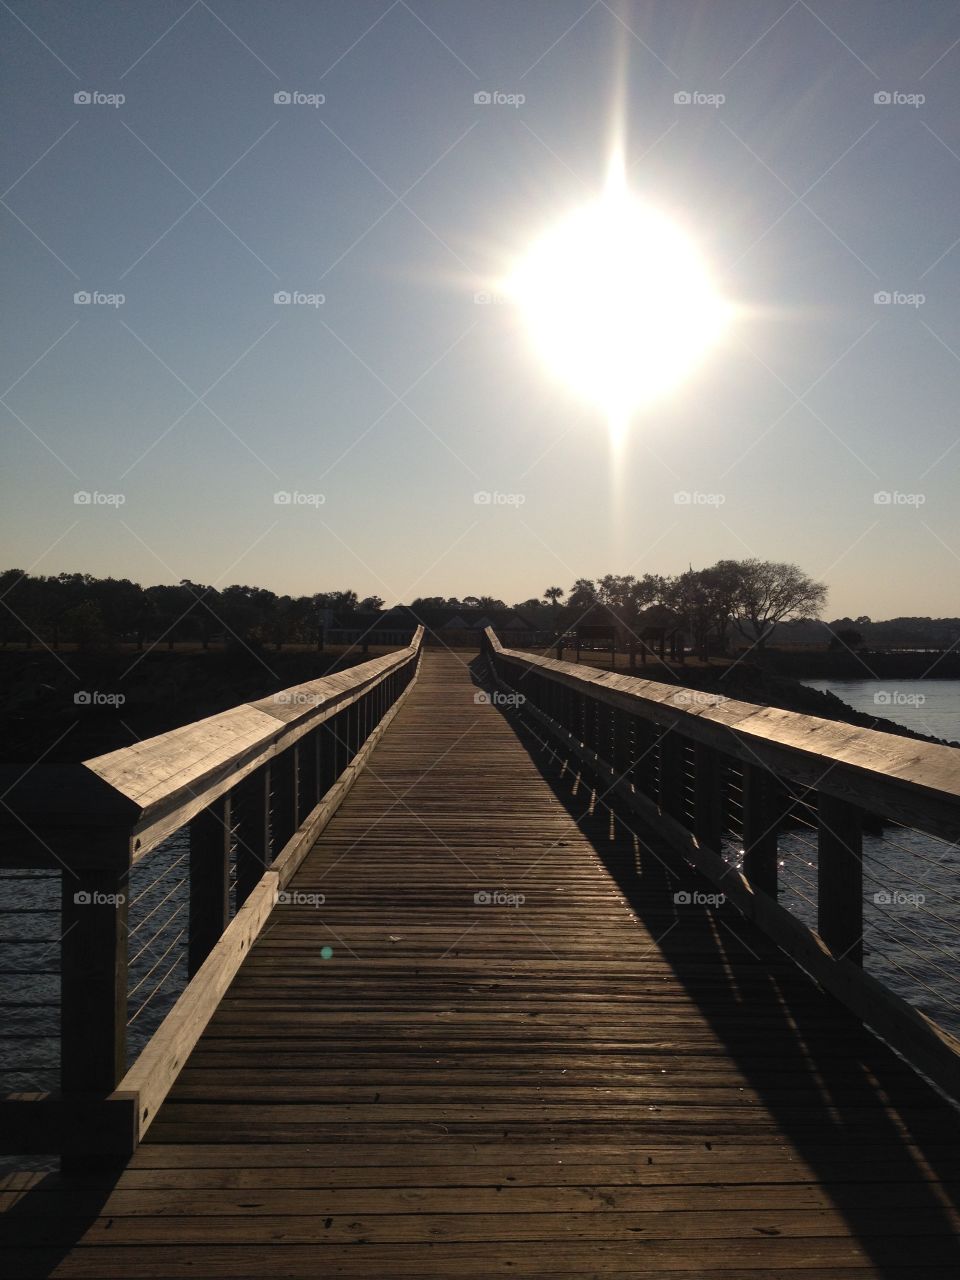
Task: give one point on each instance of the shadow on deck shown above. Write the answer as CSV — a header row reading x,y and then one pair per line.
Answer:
x,y
601,1081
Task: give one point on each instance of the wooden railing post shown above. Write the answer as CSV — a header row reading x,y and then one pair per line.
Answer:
x,y
671,773
309,773
209,880
762,814
253,831
286,796
622,746
328,756
708,798
840,877
644,748
761,821
93,973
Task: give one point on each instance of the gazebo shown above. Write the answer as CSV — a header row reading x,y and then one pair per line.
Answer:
x,y
661,633
601,626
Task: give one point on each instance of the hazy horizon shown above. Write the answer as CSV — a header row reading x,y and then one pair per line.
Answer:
x,y
402,395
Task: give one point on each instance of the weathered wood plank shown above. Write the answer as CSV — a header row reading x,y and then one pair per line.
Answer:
x,y
405,1080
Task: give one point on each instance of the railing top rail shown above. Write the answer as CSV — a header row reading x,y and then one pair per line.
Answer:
x,y
915,782
153,787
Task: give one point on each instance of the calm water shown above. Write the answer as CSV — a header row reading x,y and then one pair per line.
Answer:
x,y
911,941
29,956
925,706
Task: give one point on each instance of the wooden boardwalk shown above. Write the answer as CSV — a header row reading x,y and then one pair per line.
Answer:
x,y
594,1081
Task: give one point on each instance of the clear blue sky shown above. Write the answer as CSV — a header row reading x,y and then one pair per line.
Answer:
x,y
399,199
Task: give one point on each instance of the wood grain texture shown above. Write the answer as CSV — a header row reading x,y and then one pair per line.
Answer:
x,y
594,1081
917,783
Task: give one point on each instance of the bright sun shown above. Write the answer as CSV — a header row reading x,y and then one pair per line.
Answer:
x,y
618,302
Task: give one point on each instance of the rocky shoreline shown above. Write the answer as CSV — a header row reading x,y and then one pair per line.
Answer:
x,y
751,684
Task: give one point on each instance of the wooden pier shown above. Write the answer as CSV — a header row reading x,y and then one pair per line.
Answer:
x,y
497,1025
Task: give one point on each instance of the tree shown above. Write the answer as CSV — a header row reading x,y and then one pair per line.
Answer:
x,y
846,638
554,595
769,592
171,607
581,596
706,600
12,583
691,596
122,606
84,626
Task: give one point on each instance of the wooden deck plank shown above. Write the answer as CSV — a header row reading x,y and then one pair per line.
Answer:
x,y
593,1081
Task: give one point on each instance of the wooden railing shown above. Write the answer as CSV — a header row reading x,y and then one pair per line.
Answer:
x,y
677,757
258,782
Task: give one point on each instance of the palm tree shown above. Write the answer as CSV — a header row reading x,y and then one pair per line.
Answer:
x,y
554,595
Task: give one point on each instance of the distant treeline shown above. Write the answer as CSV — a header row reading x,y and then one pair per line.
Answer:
x,y
89,612
93,613
755,600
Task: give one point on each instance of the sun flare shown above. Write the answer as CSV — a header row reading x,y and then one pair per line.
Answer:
x,y
618,302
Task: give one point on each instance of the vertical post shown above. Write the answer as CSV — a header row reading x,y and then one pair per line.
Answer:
x,y
338,727
840,877
621,744
253,831
641,767
328,756
309,774
286,796
671,774
93,974
708,798
209,880
761,820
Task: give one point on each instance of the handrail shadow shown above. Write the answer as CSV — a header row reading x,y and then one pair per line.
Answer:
x,y
871,1111
44,1224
